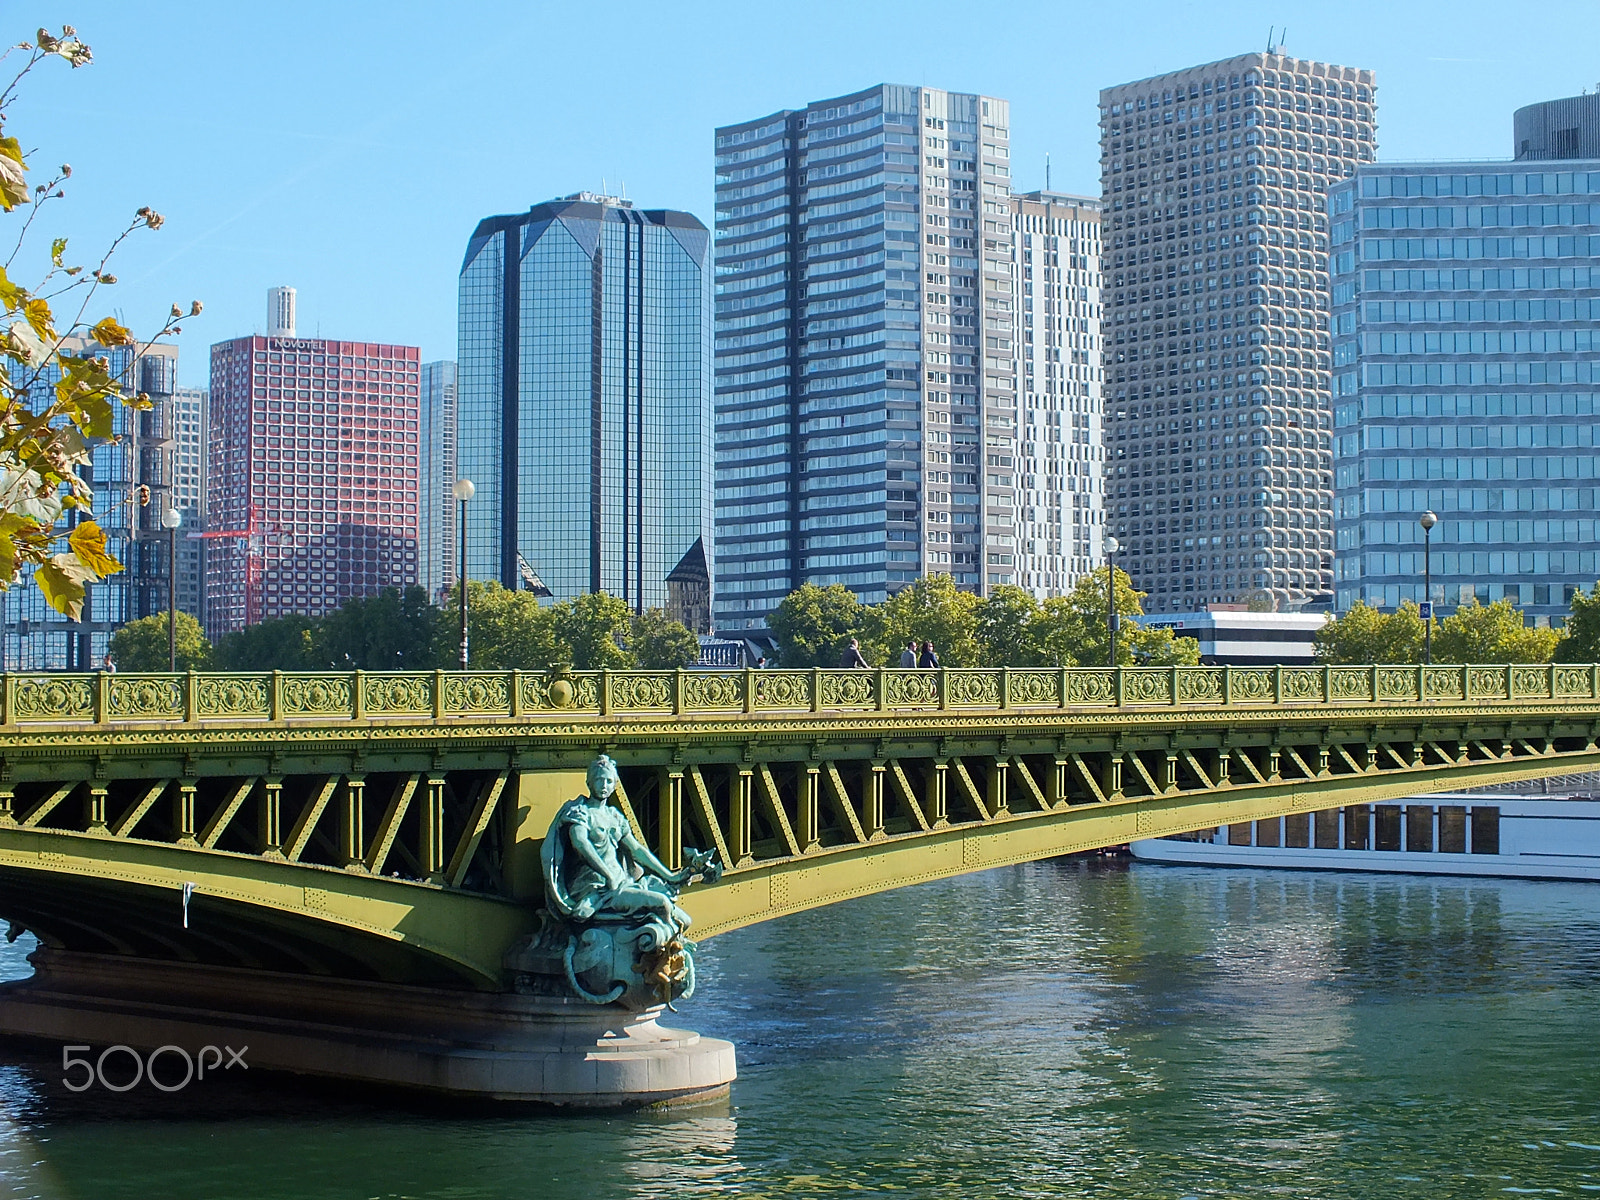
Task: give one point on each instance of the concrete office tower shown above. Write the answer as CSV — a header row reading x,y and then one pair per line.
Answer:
x,y
1219,469
436,505
189,416
1568,128
584,399
311,479
866,418
1060,451
1466,298
139,454
280,312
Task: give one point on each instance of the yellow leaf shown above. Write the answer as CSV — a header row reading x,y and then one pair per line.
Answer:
x,y
61,582
11,295
109,332
38,314
88,542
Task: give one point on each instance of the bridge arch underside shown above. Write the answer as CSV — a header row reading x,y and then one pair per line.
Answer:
x,y
408,853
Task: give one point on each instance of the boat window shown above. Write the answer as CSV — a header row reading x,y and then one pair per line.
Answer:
x,y
1328,829
1419,828
1486,831
1297,830
1239,834
1267,832
1355,826
1386,831
1452,829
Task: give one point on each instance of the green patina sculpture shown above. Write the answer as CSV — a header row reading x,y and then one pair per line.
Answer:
x,y
617,902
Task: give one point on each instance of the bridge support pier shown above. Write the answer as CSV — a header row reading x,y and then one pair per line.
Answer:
x,y
551,1050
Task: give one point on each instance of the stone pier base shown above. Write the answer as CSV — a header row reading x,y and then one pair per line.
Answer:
x,y
548,1050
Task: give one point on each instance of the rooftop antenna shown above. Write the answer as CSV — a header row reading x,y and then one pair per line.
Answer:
x,y
1047,170
1271,48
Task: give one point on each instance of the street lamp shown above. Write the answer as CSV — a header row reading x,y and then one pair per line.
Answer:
x,y
463,491
1112,546
1427,520
170,520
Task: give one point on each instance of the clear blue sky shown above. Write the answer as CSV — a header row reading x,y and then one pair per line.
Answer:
x,y
349,148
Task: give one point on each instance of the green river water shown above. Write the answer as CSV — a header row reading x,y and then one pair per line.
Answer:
x,y
1061,1029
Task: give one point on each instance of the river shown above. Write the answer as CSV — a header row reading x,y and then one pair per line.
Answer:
x,y
1061,1029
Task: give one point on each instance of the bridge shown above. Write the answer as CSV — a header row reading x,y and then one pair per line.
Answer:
x,y
212,852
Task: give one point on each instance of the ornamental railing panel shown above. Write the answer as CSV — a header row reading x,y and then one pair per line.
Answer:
x,y
426,697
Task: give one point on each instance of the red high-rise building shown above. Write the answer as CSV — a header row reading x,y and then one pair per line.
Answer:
x,y
311,494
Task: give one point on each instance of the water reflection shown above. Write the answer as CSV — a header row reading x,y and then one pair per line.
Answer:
x,y
1047,1030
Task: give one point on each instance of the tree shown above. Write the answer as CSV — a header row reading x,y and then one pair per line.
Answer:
x,y
662,644
812,624
1494,633
1368,635
509,630
142,645
56,406
932,609
1071,631
276,644
592,628
392,631
1003,626
1582,641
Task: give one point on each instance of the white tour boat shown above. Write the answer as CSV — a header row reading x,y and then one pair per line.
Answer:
x,y
1518,833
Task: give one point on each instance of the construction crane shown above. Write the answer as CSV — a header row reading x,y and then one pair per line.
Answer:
x,y
254,535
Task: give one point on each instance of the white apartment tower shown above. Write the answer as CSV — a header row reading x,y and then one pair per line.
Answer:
x,y
280,312
189,442
1219,471
1060,455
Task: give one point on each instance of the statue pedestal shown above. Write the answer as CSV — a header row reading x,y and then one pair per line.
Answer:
x,y
498,1046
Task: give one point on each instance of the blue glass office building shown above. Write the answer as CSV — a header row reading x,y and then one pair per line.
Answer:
x,y
584,396
865,391
1467,381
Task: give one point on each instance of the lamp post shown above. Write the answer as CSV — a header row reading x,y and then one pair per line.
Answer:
x,y
170,520
1427,520
463,491
1112,546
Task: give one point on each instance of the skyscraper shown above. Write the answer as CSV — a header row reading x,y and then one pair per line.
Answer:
x,y
1467,381
866,418
436,505
1218,435
1060,451
583,400
311,478
36,636
189,415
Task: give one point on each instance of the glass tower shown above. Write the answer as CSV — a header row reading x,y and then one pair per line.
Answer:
x,y
583,399
1467,381
1060,452
140,454
436,506
866,413
1218,431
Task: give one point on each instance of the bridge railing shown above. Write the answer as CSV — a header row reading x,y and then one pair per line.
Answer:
x,y
400,696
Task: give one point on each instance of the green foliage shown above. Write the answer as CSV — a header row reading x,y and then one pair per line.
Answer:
x,y
1495,633
1004,623
1071,630
392,631
662,644
44,446
593,628
142,645
933,610
812,624
509,630
277,644
1369,635
1582,641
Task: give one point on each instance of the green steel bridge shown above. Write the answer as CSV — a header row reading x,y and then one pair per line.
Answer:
x,y
385,827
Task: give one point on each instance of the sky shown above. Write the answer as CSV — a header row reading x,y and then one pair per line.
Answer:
x,y
348,149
